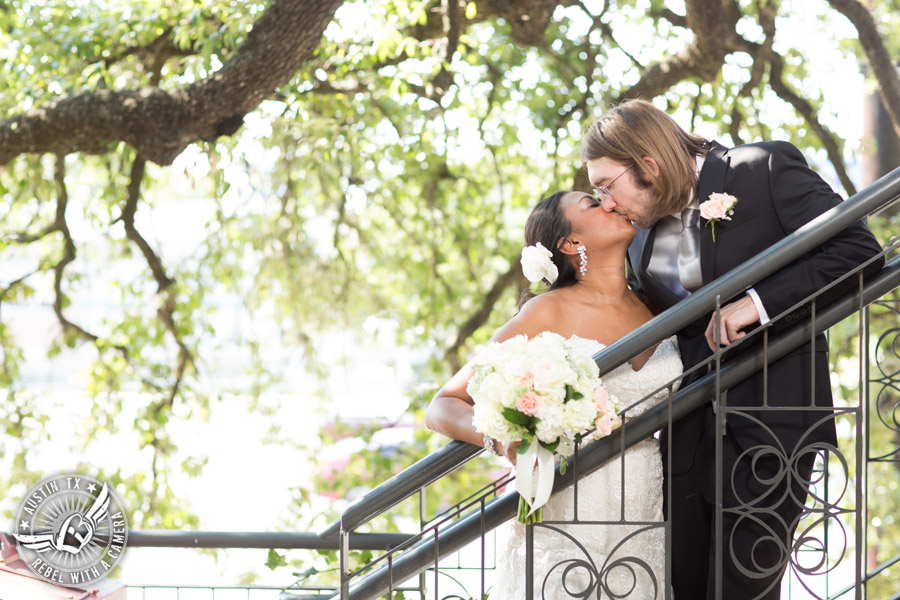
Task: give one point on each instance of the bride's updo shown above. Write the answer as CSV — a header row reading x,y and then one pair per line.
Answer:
x,y
548,226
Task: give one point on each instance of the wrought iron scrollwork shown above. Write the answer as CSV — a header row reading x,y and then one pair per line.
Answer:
x,y
788,499
616,578
887,399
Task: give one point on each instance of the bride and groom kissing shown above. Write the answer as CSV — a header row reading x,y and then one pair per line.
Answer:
x,y
670,212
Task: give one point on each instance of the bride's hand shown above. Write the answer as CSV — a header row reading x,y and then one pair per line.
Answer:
x,y
510,451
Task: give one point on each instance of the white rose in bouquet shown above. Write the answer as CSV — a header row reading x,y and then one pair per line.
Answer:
x,y
551,376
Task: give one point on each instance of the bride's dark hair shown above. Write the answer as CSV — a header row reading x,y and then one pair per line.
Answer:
x,y
548,225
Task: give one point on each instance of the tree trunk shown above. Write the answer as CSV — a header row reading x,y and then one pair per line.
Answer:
x,y
883,67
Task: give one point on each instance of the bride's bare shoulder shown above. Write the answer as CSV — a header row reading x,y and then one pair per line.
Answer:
x,y
540,313
548,303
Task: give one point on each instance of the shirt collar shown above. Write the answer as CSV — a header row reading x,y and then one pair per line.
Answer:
x,y
695,201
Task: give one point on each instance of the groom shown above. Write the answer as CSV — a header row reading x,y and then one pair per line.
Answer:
x,y
644,167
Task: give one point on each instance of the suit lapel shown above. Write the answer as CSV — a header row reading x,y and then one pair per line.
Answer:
x,y
639,252
640,247
712,179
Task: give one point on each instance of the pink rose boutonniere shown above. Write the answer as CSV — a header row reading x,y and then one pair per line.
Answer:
x,y
719,207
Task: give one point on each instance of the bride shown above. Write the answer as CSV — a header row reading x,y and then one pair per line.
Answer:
x,y
617,541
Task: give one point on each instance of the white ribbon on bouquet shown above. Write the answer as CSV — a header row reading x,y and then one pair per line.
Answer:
x,y
535,485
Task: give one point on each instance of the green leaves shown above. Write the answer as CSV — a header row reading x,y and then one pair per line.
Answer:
x,y
525,444
519,418
529,439
550,447
275,560
572,394
515,417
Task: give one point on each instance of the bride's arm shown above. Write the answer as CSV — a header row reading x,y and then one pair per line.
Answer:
x,y
450,413
451,410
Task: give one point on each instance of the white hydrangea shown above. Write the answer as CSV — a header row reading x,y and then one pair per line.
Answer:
x,y
488,419
551,425
585,366
493,388
579,415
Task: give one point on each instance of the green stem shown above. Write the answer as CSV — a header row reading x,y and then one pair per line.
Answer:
x,y
524,517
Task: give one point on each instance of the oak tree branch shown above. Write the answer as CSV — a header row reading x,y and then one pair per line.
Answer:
x,y
160,124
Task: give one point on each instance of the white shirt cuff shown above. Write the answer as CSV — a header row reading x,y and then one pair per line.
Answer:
x,y
763,315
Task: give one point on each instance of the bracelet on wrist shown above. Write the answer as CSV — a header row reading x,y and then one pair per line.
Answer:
x,y
491,446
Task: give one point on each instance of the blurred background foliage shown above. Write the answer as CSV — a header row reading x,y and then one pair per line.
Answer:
x,y
379,194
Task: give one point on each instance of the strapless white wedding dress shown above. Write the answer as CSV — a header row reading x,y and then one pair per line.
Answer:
x,y
618,537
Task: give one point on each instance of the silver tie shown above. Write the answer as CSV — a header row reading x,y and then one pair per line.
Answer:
x,y
689,250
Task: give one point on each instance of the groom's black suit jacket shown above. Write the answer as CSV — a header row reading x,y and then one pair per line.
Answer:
x,y
777,194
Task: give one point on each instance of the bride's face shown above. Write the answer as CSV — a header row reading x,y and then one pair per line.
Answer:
x,y
593,226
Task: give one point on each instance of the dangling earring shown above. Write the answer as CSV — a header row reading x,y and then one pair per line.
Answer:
x,y
582,253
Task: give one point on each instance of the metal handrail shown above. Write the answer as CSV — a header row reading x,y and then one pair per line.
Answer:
x,y
403,485
176,538
456,536
162,538
454,454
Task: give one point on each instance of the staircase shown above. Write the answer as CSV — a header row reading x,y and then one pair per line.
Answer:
x,y
452,554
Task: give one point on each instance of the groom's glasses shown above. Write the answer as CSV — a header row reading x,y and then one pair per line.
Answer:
x,y
603,191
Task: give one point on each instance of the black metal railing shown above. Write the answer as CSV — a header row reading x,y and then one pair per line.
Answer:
x,y
284,540
443,537
138,538
454,454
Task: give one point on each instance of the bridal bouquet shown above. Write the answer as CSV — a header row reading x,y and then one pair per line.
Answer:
x,y
545,393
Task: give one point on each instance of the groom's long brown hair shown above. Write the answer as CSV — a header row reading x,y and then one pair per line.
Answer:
x,y
635,129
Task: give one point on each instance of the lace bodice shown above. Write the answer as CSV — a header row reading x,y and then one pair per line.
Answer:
x,y
607,506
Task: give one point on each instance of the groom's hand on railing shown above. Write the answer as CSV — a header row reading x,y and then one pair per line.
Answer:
x,y
732,319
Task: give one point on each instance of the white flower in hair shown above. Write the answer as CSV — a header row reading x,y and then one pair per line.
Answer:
x,y
537,264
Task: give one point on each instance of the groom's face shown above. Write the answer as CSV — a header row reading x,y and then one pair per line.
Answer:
x,y
626,196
